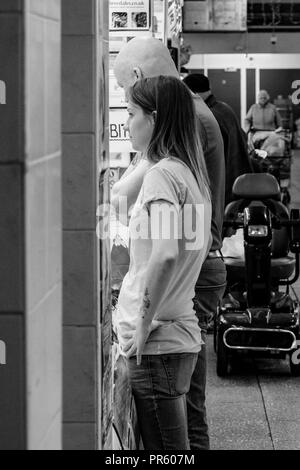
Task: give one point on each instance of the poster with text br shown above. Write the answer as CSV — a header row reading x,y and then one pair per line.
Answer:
x,y
129,15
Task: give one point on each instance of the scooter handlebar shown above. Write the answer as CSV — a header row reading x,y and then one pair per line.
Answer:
x,y
235,224
277,223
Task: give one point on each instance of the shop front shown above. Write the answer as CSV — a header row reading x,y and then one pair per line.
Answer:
x,y
163,20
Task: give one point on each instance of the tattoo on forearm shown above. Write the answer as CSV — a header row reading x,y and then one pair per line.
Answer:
x,y
146,303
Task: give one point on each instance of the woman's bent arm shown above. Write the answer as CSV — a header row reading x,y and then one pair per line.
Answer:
x,y
128,188
159,272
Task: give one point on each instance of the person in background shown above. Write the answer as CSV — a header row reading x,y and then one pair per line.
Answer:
x,y
237,161
149,57
263,115
157,327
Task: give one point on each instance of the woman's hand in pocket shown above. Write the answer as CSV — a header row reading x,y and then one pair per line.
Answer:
x,y
137,344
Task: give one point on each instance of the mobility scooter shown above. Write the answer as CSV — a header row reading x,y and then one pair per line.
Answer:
x,y
256,316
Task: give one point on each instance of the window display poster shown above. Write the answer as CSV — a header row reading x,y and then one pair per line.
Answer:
x,y
119,136
215,15
129,15
230,15
197,15
116,93
160,19
175,18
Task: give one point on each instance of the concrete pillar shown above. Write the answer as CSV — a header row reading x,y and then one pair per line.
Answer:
x,y
30,231
86,266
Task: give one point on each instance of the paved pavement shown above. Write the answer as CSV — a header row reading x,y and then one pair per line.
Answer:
x,y
257,407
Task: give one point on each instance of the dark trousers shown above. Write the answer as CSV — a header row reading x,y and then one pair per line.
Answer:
x,y
210,289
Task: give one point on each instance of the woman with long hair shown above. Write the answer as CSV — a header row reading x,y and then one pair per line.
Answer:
x,y
170,236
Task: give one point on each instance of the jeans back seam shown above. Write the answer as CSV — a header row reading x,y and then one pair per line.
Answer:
x,y
169,378
155,402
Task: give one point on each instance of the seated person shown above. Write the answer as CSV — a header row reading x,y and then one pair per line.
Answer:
x,y
261,119
263,115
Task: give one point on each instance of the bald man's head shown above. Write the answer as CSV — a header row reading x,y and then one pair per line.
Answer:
x,y
143,57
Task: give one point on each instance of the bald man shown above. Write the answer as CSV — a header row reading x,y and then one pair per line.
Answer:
x,y
148,57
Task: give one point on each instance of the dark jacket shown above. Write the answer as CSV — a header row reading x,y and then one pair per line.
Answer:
x,y
237,160
213,148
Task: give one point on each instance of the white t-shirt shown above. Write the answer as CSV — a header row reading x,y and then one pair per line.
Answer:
x,y
175,325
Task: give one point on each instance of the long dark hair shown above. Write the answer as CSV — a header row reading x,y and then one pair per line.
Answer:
x,y
176,131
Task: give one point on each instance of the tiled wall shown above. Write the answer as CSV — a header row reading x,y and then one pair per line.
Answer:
x,y
30,233
31,200
43,223
83,131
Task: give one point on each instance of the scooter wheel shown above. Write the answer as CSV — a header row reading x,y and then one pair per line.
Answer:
x,y
222,357
295,364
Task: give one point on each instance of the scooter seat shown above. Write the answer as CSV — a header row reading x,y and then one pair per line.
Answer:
x,y
281,268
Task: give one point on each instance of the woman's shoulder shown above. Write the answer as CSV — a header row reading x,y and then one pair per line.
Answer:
x,y
170,162
173,168
169,172
165,166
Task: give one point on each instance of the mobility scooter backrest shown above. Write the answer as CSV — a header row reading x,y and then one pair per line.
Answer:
x,y
256,186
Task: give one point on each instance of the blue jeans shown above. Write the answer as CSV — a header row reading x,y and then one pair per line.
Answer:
x,y
159,387
210,289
